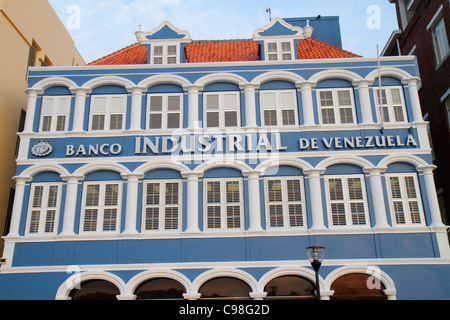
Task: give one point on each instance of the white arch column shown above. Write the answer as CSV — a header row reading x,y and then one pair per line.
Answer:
x,y
136,107
378,197
250,104
254,201
307,102
31,108
132,200
192,202
18,205
315,190
364,100
80,107
414,97
430,191
193,105
71,204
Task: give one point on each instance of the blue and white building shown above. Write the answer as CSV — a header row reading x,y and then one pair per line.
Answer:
x,y
144,178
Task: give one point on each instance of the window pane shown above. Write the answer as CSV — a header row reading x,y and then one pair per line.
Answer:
x,y
37,199
288,117
34,221
270,117
111,195
156,103
233,217
273,57
171,50
230,119
212,119
272,47
358,214
285,46
295,215
398,112
414,211
336,191
109,219
326,98
355,189
172,193
230,101
46,123
274,187
344,98
52,196
338,214
173,103
173,120
232,191
50,221
212,101
399,213
395,187
213,191
328,116
213,217
155,121
410,187
61,123
158,50
151,218
276,215
171,60
152,193
287,56
293,189
98,122
346,115
92,195
116,122
90,220
171,218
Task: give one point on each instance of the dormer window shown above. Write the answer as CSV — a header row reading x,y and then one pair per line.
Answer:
x,y
279,50
165,54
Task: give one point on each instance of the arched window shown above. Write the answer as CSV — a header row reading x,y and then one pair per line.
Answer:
x,y
225,288
95,290
160,288
289,287
357,286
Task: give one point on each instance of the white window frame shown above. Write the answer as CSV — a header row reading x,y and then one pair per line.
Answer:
x,y
108,112
161,206
43,209
222,108
59,108
278,108
347,201
279,53
442,51
101,207
336,107
404,199
390,105
223,204
285,202
164,112
164,57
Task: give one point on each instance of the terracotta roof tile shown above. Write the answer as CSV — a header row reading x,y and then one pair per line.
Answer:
x,y
224,51
134,54
315,49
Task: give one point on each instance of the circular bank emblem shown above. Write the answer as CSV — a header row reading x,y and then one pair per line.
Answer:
x,y
42,148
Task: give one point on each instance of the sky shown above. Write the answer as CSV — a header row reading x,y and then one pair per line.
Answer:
x,y
100,27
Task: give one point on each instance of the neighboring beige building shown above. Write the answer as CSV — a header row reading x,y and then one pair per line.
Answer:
x,y
31,34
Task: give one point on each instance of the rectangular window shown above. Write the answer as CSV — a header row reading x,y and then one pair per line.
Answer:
x,y
285,205
224,204
347,203
222,109
108,112
55,113
404,196
440,41
101,206
279,50
44,207
165,111
392,104
165,53
162,205
336,106
279,108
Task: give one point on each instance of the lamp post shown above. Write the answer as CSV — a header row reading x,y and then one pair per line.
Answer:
x,y
315,255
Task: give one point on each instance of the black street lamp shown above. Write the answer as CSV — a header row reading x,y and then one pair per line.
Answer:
x,y
315,255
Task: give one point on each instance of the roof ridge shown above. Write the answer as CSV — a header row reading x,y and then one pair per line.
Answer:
x,y
223,40
115,53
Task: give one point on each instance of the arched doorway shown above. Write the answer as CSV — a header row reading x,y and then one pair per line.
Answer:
x,y
95,290
225,288
160,288
357,286
289,287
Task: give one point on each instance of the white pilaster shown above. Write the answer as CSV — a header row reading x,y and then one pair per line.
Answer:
x,y
192,203
193,116
378,197
431,195
414,97
136,107
250,104
132,200
315,191
80,108
71,204
18,205
31,109
254,202
307,102
364,100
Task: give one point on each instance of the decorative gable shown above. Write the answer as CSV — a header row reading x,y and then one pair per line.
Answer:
x,y
164,43
279,39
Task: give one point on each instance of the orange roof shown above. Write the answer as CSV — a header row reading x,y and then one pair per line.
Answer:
x,y
222,51
315,49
